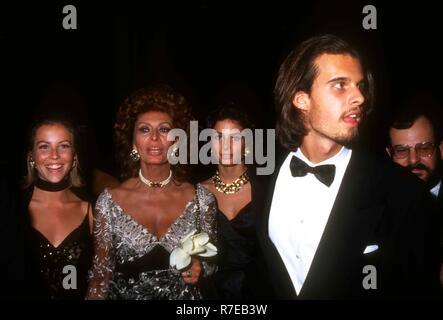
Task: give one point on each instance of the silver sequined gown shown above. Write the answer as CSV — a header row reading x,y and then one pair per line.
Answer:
x,y
130,263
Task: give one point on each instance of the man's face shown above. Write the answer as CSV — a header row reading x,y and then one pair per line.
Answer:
x,y
333,107
421,132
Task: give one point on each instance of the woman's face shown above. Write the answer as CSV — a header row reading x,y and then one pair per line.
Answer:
x,y
229,145
53,152
150,136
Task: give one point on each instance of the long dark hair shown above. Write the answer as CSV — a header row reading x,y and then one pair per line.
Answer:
x,y
297,73
229,110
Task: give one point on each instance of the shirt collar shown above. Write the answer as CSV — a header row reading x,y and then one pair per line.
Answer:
x,y
336,159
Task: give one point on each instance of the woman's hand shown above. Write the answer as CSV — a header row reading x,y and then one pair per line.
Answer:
x,y
192,274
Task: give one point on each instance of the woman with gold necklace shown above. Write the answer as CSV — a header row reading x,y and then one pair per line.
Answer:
x,y
233,186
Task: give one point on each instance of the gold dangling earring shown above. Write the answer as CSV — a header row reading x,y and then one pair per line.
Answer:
x,y
32,163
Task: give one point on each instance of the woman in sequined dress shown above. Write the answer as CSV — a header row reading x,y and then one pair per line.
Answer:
x,y
140,223
56,220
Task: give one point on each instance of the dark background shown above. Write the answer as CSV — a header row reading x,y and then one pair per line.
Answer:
x,y
207,49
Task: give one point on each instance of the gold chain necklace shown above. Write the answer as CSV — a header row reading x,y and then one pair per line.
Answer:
x,y
229,188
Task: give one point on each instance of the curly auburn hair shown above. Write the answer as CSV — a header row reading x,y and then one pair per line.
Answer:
x,y
158,98
297,73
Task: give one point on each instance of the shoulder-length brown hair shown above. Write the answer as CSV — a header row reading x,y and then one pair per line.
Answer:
x,y
297,73
157,98
74,174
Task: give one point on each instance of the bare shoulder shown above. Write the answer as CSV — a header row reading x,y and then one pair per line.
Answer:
x,y
87,210
84,208
124,188
75,200
208,185
185,188
124,193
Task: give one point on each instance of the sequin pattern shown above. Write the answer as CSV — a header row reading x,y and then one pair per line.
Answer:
x,y
75,250
52,259
120,240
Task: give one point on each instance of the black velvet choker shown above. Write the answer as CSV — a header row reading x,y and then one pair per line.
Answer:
x,y
52,187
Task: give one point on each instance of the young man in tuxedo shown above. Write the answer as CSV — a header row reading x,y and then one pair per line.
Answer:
x,y
336,222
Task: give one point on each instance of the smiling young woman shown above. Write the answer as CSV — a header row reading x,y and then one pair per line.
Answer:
x,y
57,221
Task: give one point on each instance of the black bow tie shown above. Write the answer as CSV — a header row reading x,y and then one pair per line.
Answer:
x,y
324,173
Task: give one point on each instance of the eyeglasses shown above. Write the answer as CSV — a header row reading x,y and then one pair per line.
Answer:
x,y
422,150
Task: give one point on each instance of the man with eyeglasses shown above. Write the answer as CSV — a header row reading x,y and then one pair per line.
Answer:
x,y
416,143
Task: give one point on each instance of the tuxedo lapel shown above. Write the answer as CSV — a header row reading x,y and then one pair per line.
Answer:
x,y
350,225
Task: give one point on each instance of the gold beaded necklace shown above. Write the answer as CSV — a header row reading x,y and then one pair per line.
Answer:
x,y
229,188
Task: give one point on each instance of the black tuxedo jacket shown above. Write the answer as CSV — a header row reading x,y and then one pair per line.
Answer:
x,y
377,204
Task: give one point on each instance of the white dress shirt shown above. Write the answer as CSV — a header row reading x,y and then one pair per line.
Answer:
x,y
299,212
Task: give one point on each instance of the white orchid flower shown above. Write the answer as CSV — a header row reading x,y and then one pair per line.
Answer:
x,y
192,244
